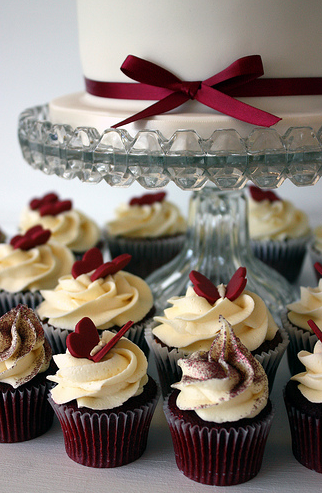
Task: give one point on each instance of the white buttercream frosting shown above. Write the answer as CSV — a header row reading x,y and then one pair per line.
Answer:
x,y
34,269
278,220
109,301
147,221
120,375
318,238
309,306
71,228
224,384
24,351
310,381
191,323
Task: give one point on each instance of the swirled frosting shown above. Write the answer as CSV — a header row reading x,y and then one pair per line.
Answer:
x,y
225,383
34,269
147,221
318,238
277,220
108,301
70,228
311,380
309,306
121,374
191,323
24,351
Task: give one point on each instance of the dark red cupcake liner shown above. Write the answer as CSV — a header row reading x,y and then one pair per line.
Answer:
x,y
221,456
147,254
285,257
105,439
24,413
306,434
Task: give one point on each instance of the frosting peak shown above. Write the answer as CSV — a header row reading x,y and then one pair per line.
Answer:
x,y
310,381
224,384
24,351
309,306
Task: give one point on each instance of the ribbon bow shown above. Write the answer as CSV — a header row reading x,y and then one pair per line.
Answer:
x,y
210,92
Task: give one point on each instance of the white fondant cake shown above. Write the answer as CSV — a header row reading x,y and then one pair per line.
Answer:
x,y
195,39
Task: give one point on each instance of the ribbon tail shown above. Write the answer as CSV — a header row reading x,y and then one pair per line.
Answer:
x,y
233,107
168,103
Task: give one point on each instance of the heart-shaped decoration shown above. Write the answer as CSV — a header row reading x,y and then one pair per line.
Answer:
x,y
81,342
318,268
259,195
110,268
204,287
236,284
91,259
55,208
36,203
315,329
33,237
148,198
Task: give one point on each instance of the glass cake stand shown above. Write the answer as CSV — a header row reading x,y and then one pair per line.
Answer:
x,y
216,170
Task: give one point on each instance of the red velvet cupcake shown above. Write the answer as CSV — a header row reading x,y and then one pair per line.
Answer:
x,y
149,228
303,400
220,415
25,357
104,399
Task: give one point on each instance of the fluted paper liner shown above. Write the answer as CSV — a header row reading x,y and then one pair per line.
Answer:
x,y
299,340
103,440
169,372
218,456
24,413
306,433
284,256
11,300
147,254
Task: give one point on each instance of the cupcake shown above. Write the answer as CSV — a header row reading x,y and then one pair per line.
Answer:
x,y
315,249
102,291
104,399
149,228
219,413
29,263
303,400
68,226
295,321
279,233
25,357
192,322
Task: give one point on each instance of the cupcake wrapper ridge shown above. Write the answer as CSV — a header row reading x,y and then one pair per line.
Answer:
x,y
218,456
11,300
105,440
24,414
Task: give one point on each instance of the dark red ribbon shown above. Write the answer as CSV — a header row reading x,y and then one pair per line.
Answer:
x,y
240,79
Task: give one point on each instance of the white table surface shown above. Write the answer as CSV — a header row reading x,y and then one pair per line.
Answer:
x,y
43,465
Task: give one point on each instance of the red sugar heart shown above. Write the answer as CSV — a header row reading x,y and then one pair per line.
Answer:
x,y
148,198
91,259
35,236
46,199
258,194
110,268
236,284
204,287
81,342
315,329
55,208
318,268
